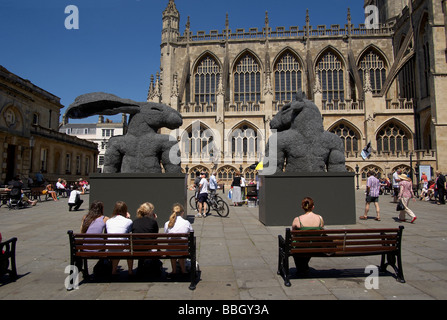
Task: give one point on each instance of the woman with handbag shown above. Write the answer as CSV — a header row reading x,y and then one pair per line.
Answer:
x,y
405,194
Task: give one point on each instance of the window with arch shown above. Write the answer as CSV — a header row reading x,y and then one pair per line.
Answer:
x,y
193,171
424,60
244,141
247,79
226,173
206,80
197,141
375,65
349,137
373,169
392,138
331,74
288,77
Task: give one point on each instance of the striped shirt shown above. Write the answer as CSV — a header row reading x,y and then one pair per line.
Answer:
x,y
374,186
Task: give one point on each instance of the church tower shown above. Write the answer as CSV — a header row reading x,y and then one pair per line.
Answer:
x,y
169,37
171,19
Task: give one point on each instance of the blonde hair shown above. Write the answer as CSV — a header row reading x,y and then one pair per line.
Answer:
x,y
145,210
177,210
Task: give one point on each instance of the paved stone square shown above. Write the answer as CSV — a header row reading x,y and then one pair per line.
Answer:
x,y
238,259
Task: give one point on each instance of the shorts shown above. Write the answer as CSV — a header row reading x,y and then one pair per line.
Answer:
x,y
203,197
372,199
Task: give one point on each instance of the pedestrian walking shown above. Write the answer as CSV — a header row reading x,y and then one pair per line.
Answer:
x,y
405,194
396,181
441,187
372,195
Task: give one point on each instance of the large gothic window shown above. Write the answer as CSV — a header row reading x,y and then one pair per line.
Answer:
x,y
375,65
330,72
349,137
247,79
288,77
244,142
392,138
206,80
198,142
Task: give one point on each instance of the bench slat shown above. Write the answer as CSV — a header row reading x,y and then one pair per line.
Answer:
x,y
111,255
341,250
342,237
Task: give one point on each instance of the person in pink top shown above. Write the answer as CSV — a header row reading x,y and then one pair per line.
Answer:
x,y
405,194
372,195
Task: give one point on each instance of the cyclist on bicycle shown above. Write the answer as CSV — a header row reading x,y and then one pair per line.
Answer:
x,y
203,195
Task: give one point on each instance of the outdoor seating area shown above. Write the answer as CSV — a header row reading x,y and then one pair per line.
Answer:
x,y
132,246
239,257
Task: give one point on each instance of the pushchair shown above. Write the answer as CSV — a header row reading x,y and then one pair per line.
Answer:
x,y
15,199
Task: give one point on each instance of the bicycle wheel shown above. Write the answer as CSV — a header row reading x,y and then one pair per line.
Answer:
x,y
192,202
222,208
207,207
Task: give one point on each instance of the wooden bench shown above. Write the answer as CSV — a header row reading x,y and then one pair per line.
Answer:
x,y
132,246
342,243
8,258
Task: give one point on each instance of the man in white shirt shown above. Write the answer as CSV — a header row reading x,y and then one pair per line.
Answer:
x,y
60,187
75,200
213,184
203,195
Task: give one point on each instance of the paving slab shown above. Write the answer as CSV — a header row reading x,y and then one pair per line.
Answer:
x,y
237,257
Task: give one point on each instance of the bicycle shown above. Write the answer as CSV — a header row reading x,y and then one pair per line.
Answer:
x,y
217,204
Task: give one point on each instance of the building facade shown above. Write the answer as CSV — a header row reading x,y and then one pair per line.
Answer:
x,y
99,133
30,137
382,85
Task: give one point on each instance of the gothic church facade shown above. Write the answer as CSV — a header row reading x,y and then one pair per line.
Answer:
x,y
382,85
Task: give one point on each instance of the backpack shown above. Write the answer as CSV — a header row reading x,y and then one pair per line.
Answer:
x,y
15,192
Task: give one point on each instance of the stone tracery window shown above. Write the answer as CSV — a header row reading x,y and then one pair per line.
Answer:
x,y
206,80
392,138
331,74
376,66
349,137
226,173
197,142
244,142
288,77
247,79
374,169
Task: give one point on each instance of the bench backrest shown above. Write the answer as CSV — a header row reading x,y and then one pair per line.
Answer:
x,y
132,244
343,241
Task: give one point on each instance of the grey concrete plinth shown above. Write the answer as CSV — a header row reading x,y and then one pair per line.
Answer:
x,y
280,197
162,190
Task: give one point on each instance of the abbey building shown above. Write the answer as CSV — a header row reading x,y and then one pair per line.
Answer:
x,y
385,86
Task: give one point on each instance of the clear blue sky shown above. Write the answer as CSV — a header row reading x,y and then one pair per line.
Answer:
x,y
117,45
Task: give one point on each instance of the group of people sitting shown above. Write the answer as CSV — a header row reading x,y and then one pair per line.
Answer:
x,y
96,222
146,222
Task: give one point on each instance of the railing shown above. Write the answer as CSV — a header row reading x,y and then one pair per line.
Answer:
x,y
399,104
281,32
342,105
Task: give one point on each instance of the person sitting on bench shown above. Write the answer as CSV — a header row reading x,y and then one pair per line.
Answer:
x,y
308,221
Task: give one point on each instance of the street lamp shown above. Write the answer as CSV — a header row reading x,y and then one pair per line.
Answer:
x,y
357,174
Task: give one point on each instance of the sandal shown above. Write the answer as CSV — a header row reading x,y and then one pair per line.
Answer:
x,y
377,219
363,218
